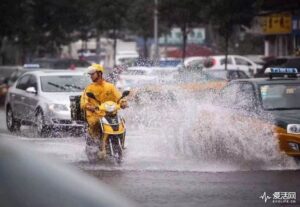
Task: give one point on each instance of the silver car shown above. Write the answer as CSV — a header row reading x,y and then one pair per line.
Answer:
x,y
41,98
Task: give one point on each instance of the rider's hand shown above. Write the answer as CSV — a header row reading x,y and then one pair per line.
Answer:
x,y
91,108
123,104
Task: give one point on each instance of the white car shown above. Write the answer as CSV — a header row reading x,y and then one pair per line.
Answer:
x,y
235,62
135,77
41,98
126,57
192,61
138,76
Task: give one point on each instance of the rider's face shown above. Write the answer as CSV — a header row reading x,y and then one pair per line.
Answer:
x,y
95,76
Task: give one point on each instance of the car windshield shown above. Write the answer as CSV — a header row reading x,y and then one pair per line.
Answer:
x,y
64,83
280,96
14,76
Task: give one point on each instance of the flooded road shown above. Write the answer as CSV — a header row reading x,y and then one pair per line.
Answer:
x,y
170,161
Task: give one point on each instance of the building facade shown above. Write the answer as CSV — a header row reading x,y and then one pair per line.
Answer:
x,y
280,24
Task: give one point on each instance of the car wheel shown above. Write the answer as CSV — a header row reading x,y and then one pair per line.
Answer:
x,y
41,128
12,124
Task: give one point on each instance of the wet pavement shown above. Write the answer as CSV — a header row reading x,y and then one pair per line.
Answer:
x,y
157,172
193,189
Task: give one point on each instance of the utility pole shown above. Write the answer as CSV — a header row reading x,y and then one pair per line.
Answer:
x,y
98,46
156,53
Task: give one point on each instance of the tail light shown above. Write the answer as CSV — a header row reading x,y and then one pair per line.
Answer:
x,y
3,89
72,67
209,62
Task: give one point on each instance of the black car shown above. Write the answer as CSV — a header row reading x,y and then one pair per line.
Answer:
x,y
283,62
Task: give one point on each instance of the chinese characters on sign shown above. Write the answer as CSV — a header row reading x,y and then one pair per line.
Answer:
x,y
280,23
279,197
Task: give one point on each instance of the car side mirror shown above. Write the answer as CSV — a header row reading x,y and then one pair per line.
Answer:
x,y
31,90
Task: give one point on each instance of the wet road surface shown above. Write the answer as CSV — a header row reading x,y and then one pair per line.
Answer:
x,y
192,189
156,176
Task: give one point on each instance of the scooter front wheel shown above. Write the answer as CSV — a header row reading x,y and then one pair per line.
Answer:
x,y
116,149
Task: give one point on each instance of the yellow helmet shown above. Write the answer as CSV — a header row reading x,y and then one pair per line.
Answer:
x,y
95,68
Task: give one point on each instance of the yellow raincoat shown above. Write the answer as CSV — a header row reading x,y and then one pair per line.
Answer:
x,y
103,91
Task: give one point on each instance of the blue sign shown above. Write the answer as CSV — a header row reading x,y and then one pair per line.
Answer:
x,y
31,65
284,70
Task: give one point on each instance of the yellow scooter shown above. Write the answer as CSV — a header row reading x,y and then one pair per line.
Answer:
x,y
113,128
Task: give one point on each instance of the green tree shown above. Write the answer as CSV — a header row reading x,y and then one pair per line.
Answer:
x,y
226,14
140,21
182,13
109,17
55,21
41,26
16,22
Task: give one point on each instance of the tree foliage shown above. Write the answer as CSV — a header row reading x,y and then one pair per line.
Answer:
x,y
43,26
182,13
225,15
140,21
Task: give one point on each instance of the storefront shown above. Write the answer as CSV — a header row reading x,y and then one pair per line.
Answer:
x,y
277,28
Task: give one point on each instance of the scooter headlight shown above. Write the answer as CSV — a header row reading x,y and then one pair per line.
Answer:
x,y
293,128
110,108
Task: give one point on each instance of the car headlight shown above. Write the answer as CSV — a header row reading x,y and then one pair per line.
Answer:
x,y
58,107
293,128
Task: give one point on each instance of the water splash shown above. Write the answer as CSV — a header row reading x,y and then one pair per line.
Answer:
x,y
195,128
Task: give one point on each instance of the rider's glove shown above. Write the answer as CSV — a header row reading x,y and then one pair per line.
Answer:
x,y
123,103
92,108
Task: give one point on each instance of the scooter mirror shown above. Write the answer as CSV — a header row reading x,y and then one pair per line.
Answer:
x,y
125,93
90,95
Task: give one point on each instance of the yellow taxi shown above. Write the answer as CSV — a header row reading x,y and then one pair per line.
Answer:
x,y
277,96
